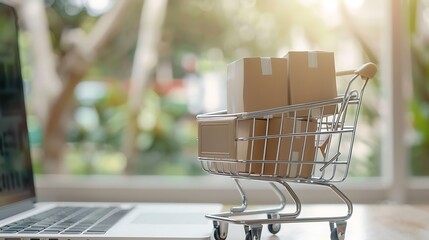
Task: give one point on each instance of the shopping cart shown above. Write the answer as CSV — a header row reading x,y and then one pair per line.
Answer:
x,y
304,143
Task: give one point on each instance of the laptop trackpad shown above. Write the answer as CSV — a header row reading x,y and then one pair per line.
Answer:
x,y
170,218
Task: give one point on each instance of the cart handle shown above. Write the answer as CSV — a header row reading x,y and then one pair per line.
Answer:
x,y
366,71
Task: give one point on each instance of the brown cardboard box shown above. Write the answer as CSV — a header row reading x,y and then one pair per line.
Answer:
x,y
256,84
311,78
217,139
290,148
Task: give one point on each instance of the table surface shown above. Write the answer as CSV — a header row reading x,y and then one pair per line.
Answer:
x,y
381,222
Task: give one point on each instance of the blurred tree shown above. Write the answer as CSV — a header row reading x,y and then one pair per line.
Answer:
x,y
56,77
145,60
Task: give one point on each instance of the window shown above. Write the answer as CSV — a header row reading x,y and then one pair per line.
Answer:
x,y
196,42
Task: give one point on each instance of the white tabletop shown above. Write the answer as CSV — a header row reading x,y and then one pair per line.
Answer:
x,y
368,222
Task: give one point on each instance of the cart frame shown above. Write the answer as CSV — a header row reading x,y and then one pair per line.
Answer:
x,y
331,136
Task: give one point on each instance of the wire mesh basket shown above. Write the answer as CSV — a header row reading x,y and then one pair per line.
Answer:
x,y
309,143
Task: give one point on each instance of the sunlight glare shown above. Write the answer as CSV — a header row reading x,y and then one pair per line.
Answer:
x,y
354,4
98,7
330,6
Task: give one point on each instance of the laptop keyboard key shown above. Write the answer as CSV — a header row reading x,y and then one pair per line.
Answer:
x,y
16,228
107,223
95,232
50,231
9,231
29,231
71,232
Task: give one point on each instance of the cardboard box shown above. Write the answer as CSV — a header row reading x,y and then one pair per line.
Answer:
x,y
256,84
323,143
217,139
295,148
311,78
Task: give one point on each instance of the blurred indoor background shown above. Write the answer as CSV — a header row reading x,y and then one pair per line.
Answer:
x,y
113,87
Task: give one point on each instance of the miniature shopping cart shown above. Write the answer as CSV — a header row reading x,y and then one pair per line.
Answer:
x,y
308,143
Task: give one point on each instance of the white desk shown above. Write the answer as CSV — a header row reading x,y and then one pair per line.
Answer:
x,y
369,222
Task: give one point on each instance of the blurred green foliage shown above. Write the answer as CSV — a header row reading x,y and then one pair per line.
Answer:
x,y
419,106
217,32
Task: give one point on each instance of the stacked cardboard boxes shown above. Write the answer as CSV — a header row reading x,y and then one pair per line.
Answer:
x,y
293,151
263,83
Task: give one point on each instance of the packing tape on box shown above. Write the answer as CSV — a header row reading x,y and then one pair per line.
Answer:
x,y
312,60
322,140
298,128
294,166
316,112
266,66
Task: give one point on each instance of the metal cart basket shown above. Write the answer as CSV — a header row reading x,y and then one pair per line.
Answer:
x,y
308,143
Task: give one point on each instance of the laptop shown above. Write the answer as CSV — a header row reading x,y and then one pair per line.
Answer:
x,y
21,217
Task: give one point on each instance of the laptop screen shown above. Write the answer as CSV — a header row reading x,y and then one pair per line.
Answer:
x,y
16,177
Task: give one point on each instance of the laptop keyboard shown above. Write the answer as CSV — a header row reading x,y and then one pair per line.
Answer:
x,y
68,220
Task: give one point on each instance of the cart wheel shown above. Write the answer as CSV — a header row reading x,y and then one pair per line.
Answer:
x,y
217,234
338,230
274,228
249,235
253,232
334,234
